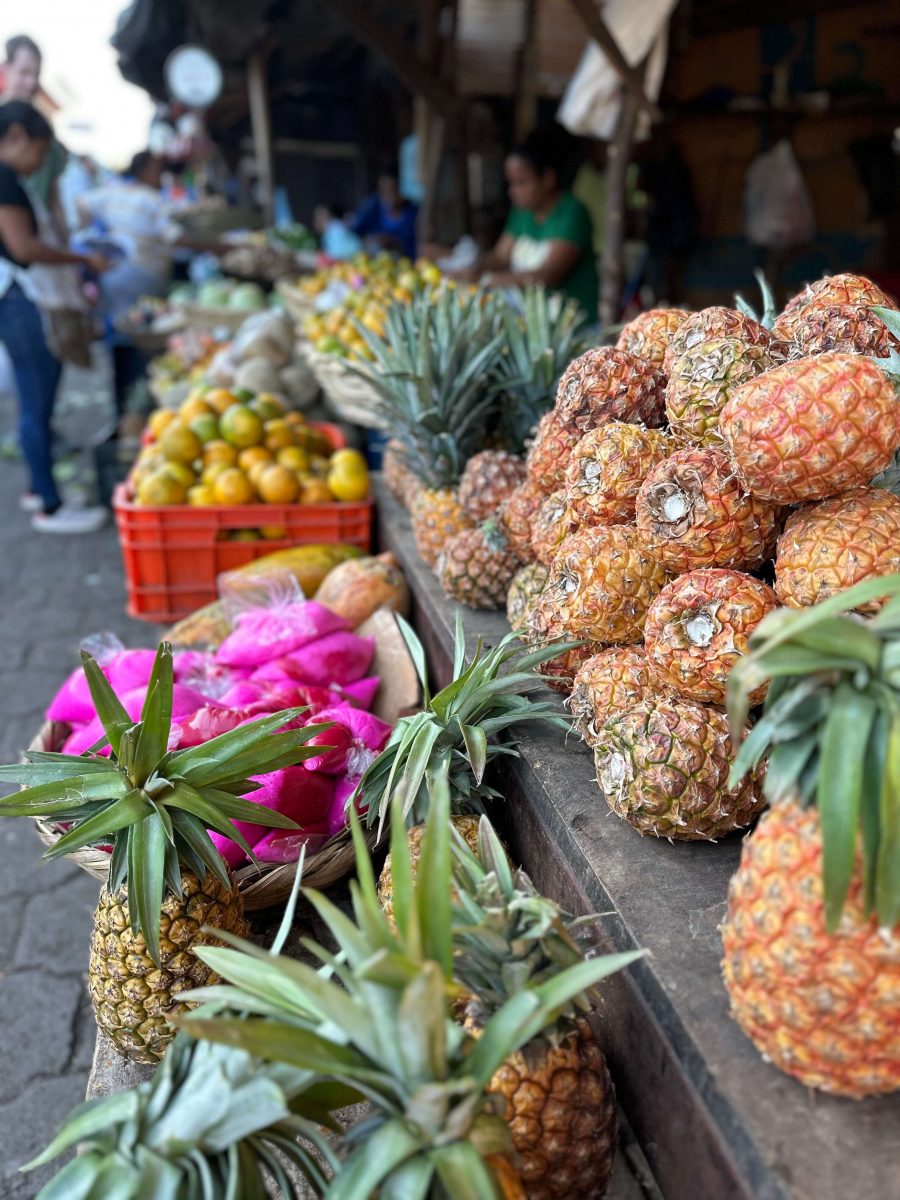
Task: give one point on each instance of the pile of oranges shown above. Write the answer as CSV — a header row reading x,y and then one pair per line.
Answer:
x,y
223,447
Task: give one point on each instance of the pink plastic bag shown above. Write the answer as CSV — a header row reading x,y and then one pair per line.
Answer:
x,y
261,634
362,692
184,701
72,703
340,658
358,737
304,796
332,761
129,670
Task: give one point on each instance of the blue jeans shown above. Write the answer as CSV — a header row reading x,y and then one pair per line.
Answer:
x,y
37,375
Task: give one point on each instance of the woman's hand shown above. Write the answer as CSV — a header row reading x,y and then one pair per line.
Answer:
x,y
97,263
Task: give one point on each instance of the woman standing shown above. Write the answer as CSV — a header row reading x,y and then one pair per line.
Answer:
x,y
24,142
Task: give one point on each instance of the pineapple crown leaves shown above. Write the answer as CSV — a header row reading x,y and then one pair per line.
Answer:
x,y
770,308
155,805
508,937
374,1021
830,730
463,726
432,371
211,1124
891,319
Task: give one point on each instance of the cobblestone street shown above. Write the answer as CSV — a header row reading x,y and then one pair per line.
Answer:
x,y
55,590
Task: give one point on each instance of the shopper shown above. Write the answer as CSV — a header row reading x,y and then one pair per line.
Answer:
x,y
24,142
548,238
386,221
337,241
22,81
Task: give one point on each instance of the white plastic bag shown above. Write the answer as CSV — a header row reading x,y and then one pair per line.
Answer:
x,y
778,211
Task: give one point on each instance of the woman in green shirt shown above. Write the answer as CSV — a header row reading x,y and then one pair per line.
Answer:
x,y
548,237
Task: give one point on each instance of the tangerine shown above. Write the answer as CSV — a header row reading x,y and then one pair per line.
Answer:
x,y
253,454
179,444
278,434
201,495
159,420
219,451
231,486
195,406
267,405
278,485
220,399
315,491
293,457
181,472
205,426
241,426
160,488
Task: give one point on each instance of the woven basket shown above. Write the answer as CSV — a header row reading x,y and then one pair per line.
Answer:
x,y
211,319
299,304
271,883
353,399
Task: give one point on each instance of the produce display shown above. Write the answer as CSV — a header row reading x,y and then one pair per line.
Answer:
x,y
220,293
221,447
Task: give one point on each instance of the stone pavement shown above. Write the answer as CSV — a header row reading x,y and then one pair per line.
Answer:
x,y
54,590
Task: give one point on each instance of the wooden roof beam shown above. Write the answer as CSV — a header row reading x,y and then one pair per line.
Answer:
x,y
410,70
599,32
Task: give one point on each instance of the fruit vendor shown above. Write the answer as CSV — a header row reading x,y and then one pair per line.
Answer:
x,y
25,138
387,220
548,238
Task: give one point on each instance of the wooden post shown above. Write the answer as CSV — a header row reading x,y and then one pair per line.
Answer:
x,y
261,126
526,84
618,155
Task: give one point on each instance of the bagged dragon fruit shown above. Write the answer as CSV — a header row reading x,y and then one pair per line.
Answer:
x,y
338,658
72,704
357,736
304,796
362,692
263,634
337,743
129,670
201,672
344,790
184,701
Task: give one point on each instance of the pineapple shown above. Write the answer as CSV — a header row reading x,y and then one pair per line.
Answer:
x,y
437,516
428,370
606,471
524,590
508,938
812,932
487,481
549,452
702,380
663,765
549,525
538,345
710,324
401,482
449,730
212,1123
812,428
601,583
697,628
693,512
829,546
376,1022
608,683
826,293
844,328
477,567
649,334
605,384
516,513
560,673
154,806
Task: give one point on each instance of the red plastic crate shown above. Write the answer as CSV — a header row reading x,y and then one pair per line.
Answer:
x,y
173,554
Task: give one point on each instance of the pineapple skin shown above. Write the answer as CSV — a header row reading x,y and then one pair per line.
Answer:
x,y
437,516
830,546
476,568
602,581
719,322
663,764
550,523
549,453
516,514
524,589
812,428
845,328
822,1007
692,512
607,468
608,683
605,384
560,1108
701,382
844,288
697,628
133,999
487,481
466,824
649,334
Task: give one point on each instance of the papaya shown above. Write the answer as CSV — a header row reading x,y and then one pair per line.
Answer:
x,y
208,626
308,564
357,588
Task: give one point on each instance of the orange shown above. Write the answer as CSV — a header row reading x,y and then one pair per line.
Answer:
x,y
232,486
273,533
294,418
255,470
179,444
315,491
159,420
212,472
278,434
205,426
253,454
181,472
218,451
267,406
278,485
160,488
201,495
195,406
293,457
220,399
319,466
241,426
348,481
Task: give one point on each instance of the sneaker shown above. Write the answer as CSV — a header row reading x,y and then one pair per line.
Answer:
x,y
31,503
70,520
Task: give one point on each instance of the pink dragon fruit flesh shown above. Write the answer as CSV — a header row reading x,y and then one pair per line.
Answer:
x,y
130,670
261,634
72,703
362,692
